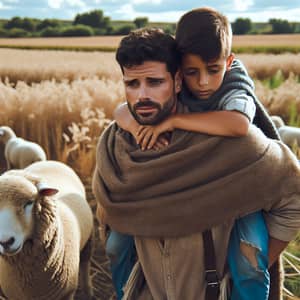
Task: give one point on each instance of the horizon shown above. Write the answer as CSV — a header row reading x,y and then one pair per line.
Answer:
x,y
154,10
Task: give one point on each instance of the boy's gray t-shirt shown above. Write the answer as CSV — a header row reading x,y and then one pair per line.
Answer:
x,y
238,100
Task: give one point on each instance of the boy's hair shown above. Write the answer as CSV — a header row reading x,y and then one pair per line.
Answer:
x,y
148,44
204,32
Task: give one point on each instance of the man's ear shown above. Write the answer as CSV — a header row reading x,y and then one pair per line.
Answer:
x,y
178,81
229,61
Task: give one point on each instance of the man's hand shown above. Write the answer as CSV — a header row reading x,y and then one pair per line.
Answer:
x,y
149,137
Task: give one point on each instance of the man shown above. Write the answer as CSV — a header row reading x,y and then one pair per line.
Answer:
x,y
167,198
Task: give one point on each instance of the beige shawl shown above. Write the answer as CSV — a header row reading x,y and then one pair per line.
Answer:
x,y
195,183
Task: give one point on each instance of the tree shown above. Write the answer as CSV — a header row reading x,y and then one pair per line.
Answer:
x,y
125,29
77,30
47,23
242,26
17,22
141,22
281,26
93,19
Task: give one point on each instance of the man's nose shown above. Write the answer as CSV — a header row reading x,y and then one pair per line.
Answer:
x,y
142,95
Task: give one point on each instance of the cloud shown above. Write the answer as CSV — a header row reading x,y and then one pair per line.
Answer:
x,y
242,5
146,1
155,10
58,4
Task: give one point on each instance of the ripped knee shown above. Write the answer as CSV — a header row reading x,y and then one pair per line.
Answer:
x,y
249,251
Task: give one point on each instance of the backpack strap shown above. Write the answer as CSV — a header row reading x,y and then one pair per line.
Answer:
x,y
211,276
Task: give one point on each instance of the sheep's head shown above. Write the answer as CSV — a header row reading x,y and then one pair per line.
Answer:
x,y
6,133
19,194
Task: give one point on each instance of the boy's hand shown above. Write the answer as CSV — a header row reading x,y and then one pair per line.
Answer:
x,y
150,136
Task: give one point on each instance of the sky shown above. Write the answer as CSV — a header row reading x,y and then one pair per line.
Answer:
x,y
155,10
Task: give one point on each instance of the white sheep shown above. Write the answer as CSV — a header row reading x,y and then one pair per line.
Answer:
x,y
18,152
46,228
289,135
277,121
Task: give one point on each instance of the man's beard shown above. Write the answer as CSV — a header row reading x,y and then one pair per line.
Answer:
x,y
152,118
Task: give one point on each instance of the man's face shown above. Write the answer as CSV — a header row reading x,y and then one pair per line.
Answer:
x,y
204,78
151,92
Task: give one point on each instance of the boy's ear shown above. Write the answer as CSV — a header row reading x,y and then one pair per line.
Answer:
x,y
178,81
229,61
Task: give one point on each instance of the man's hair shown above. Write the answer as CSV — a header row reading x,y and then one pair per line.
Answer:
x,y
148,44
204,32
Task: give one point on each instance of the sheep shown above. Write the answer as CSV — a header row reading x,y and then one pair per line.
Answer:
x,y
289,135
46,233
18,152
277,121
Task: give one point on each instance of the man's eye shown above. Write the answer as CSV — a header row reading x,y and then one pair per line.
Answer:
x,y
132,83
155,81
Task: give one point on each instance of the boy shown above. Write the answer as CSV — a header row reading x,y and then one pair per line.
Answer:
x,y
220,94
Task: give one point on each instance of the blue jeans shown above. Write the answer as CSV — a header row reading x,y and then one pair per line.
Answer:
x,y
121,252
248,282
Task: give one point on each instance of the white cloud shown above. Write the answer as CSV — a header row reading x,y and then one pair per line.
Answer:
x,y
3,4
264,16
146,1
76,3
242,5
57,4
127,10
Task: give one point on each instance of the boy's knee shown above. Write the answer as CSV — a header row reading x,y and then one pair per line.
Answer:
x,y
249,252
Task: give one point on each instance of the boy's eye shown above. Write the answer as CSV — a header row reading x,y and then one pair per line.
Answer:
x,y
190,72
213,71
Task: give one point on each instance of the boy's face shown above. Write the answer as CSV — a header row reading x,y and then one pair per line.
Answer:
x,y
204,78
151,91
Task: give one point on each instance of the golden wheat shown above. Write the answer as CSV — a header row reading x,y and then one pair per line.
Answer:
x,y
66,119
280,100
36,66
94,41
113,41
262,66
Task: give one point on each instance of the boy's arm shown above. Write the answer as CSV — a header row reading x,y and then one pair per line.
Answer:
x,y
125,120
224,123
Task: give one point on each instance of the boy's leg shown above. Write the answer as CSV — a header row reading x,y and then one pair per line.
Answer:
x,y
121,252
248,258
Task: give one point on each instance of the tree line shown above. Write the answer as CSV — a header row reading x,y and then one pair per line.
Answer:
x,y
96,23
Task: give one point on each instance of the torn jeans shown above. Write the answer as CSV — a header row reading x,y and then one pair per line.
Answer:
x,y
248,258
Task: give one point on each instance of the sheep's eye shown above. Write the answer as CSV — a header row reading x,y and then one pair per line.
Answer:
x,y
28,203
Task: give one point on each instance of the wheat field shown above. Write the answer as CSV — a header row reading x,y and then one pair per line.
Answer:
x,y
63,100
113,41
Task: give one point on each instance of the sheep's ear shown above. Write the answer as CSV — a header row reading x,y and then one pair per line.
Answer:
x,y
45,190
1,132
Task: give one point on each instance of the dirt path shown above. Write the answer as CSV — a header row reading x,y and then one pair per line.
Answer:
x,y
100,274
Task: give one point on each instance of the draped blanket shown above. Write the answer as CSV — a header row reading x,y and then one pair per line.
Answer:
x,y
195,183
